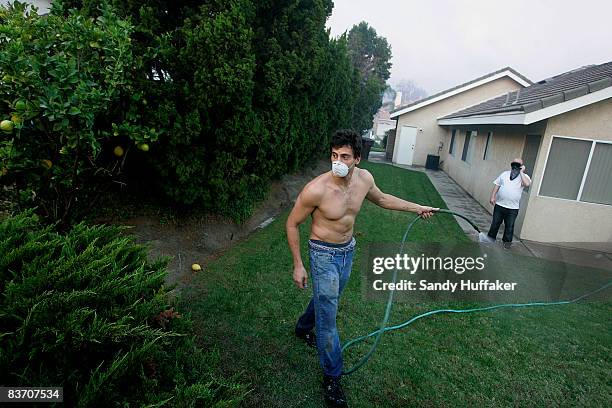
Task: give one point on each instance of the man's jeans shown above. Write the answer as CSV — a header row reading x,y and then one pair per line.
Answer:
x,y
330,269
508,216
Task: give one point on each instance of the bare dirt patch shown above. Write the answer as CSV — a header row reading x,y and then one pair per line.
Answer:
x,y
199,239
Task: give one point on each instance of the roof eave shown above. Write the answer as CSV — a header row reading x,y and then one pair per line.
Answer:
x,y
515,118
507,72
522,118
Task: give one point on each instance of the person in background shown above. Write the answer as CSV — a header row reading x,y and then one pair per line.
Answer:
x,y
505,197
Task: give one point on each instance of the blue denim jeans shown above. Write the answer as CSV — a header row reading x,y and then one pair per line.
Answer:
x,y
330,269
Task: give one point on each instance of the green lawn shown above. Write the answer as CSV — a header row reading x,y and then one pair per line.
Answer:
x,y
245,305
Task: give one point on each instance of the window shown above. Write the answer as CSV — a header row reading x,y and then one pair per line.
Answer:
x,y
598,184
452,142
470,135
565,167
487,149
567,175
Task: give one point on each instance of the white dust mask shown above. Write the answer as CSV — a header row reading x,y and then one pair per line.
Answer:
x,y
339,169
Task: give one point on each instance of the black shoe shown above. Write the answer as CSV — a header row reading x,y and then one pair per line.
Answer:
x,y
332,391
309,338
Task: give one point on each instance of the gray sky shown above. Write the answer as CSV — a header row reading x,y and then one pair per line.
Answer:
x,y
442,43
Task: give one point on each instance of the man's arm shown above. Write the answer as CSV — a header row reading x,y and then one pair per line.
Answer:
x,y
493,199
305,204
525,179
391,202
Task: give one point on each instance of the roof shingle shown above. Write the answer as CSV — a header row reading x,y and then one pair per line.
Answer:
x,y
545,93
399,108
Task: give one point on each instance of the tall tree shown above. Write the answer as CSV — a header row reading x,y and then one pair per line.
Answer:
x,y
370,55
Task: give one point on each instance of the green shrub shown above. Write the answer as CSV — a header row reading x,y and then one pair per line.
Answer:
x,y
245,92
229,94
66,89
85,310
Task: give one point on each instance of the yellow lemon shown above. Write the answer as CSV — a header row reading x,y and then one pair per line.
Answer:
x,y
7,126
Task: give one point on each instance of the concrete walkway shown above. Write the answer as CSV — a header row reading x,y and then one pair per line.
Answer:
x,y
458,200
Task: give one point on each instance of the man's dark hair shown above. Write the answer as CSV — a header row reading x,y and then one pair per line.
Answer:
x,y
347,137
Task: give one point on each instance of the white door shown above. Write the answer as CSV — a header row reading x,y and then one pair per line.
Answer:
x,y
405,146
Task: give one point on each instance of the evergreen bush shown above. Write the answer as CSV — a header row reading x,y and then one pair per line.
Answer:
x,y
87,311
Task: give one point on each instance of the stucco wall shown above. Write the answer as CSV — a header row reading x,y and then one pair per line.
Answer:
x,y
425,118
476,176
541,219
557,220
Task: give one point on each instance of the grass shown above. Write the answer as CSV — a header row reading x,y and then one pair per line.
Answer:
x,y
244,304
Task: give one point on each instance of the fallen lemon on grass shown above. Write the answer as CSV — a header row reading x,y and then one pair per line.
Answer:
x,y
118,151
196,267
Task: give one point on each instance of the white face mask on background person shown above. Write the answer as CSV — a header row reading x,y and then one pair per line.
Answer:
x,y
339,169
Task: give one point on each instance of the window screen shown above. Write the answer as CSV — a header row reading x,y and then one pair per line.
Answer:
x,y
598,184
565,168
488,146
466,145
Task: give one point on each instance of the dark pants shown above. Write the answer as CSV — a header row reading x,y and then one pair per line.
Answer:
x,y
508,216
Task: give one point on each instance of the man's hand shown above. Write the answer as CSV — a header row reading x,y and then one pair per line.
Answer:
x,y
493,199
523,168
300,277
426,212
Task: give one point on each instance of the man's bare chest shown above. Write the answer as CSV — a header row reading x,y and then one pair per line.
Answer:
x,y
339,203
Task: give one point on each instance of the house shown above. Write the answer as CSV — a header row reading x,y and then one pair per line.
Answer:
x,y
382,123
562,127
418,133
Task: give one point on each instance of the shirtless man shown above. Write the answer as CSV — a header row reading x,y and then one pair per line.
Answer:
x,y
333,199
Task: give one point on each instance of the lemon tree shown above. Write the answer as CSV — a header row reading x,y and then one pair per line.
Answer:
x,y
65,79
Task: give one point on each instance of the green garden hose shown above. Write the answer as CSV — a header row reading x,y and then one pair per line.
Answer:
x,y
383,325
